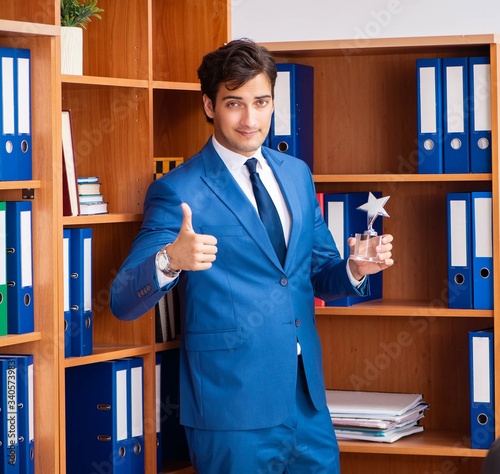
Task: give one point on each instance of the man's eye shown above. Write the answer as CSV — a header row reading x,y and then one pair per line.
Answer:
x,y
262,103
232,104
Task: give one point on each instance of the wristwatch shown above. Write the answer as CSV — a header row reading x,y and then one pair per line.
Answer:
x,y
163,263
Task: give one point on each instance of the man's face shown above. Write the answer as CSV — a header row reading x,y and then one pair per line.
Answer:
x,y
242,117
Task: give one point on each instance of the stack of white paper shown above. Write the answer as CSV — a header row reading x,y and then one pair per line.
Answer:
x,y
375,416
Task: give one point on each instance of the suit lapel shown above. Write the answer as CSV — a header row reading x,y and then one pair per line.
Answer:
x,y
219,179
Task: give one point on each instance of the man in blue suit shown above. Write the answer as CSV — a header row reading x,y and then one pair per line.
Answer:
x,y
252,389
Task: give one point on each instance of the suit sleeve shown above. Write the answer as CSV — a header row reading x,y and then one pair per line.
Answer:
x,y
135,289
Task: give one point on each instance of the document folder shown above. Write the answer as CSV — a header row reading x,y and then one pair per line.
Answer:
x,y
66,287
459,251
293,121
22,146
480,114
3,270
9,420
19,267
482,382
135,398
25,411
158,411
80,291
97,418
430,115
456,119
482,250
8,160
344,220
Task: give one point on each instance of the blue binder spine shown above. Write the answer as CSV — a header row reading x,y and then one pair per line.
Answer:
x,y
19,267
9,437
8,159
459,251
135,399
482,249
293,120
430,115
480,114
81,291
344,220
456,119
25,406
482,385
97,418
66,286
22,145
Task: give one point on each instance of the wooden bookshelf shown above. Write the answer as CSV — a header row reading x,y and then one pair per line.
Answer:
x,y
365,140
138,98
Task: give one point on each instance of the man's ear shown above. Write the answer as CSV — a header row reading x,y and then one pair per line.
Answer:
x,y
208,106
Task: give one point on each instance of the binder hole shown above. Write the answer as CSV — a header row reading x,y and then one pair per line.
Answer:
x,y
484,272
429,145
24,146
137,448
456,143
32,454
11,283
122,451
11,250
103,438
1,298
74,307
103,406
66,325
74,275
20,406
282,146
483,143
482,419
87,323
27,300
21,439
9,147
459,279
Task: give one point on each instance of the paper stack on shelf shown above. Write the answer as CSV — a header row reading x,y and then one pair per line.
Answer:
x,y
375,416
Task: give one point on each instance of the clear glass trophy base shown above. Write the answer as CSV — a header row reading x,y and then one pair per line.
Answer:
x,y
365,247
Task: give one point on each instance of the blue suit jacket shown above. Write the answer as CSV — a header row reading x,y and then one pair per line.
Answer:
x,y
241,319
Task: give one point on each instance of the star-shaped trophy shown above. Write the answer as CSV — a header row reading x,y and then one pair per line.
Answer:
x,y
366,243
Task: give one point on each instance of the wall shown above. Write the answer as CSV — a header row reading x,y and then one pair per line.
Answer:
x,y
288,20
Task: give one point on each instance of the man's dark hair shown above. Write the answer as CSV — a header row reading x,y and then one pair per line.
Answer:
x,y
233,65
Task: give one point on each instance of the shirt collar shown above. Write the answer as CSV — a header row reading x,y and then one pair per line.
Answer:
x,y
234,161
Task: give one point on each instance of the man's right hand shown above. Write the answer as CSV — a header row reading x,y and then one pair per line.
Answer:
x,y
191,251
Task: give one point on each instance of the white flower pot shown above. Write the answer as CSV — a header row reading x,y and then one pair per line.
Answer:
x,y
72,50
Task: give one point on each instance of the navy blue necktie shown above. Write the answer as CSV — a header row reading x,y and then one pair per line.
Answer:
x,y
267,211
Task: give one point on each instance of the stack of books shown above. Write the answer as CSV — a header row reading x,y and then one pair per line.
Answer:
x,y
375,416
90,198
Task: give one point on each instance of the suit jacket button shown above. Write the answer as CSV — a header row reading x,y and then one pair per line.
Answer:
x,y
284,281
148,288
298,322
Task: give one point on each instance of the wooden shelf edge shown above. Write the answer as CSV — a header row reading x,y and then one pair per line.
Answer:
x,y
15,339
104,81
180,86
166,346
400,178
403,308
107,352
111,218
427,443
29,184
31,29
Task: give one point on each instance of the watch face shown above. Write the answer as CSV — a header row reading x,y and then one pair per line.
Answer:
x,y
162,261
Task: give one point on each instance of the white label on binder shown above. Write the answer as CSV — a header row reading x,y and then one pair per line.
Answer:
x,y
136,401
282,105
336,224
66,273
8,95
121,405
482,97
87,274
31,404
3,249
428,119
458,223
23,97
481,369
455,99
26,263
483,227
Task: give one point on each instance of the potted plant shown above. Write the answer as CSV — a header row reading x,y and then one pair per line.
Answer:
x,y
74,17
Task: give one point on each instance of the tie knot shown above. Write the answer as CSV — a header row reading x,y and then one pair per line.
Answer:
x,y
251,164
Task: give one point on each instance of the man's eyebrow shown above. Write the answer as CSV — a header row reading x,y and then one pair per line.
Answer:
x,y
237,97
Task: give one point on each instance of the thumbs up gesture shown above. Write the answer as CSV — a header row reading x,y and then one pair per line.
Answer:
x,y
191,251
